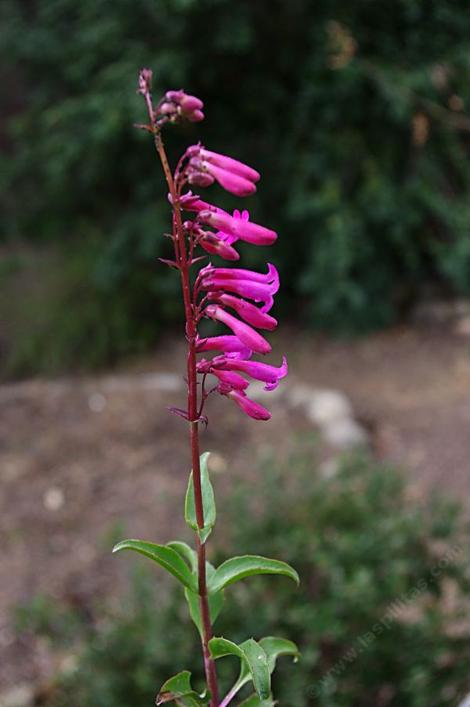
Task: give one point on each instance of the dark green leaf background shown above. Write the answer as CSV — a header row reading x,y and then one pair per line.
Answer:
x,y
354,112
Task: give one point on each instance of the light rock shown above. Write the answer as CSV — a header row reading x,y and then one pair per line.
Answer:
x,y
166,382
97,402
328,406
463,326
19,696
345,433
300,395
53,499
466,702
329,468
217,463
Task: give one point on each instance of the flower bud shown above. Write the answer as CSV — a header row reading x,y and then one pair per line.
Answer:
x,y
245,333
249,407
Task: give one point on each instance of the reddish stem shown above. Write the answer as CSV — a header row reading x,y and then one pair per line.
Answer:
x,y
193,415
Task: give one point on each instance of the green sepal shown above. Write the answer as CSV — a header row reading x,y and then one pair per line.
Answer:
x,y
178,689
215,600
208,502
252,655
163,555
237,568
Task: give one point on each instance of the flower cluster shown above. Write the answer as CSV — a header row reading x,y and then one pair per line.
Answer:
x,y
249,294
241,300
178,104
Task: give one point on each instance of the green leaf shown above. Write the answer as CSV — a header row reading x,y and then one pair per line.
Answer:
x,y
252,655
238,568
273,647
186,552
178,689
216,600
208,502
164,556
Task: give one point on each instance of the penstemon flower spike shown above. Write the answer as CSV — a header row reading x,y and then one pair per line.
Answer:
x,y
208,294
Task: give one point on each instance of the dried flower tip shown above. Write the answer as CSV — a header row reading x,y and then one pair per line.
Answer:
x,y
145,81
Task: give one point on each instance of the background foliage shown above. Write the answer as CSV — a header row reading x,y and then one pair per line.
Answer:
x,y
360,545
353,112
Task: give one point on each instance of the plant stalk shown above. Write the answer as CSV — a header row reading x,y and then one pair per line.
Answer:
x,y
191,332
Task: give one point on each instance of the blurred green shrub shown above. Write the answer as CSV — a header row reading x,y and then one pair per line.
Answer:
x,y
367,556
353,112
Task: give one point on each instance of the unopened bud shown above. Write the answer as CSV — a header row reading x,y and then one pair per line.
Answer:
x,y
196,116
167,108
190,103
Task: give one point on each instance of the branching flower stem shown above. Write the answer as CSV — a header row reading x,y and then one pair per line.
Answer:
x,y
193,407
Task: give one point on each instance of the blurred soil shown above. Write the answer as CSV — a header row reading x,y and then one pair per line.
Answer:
x,y
86,461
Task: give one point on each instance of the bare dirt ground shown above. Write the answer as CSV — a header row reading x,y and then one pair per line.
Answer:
x,y
85,459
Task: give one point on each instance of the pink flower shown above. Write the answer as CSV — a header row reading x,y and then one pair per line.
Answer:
x,y
227,344
249,407
229,237
252,289
269,278
212,244
200,179
192,202
234,176
245,333
233,183
247,311
229,164
244,230
234,380
270,375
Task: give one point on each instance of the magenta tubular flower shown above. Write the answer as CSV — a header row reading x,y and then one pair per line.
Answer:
x,y
247,311
270,375
245,230
227,344
212,244
245,333
200,179
232,182
230,237
231,165
229,180
257,291
192,202
249,407
269,278
234,380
